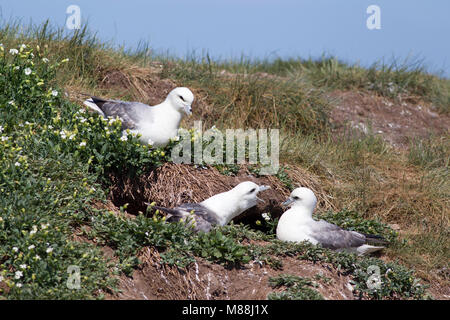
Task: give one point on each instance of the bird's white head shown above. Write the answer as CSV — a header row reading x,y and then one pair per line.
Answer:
x,y
303,197
181,99
230,204
246,194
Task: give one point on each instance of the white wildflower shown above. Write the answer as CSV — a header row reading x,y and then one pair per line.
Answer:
x,y
31,247
54,93
266,216
150,142
1,129
83,144
23,46
13,51
5,138
18,285
18,274
45,60
34,230
62,133
49,250
23,266
124,138
27,71
72,136
17,164
1,278
37,257
15,249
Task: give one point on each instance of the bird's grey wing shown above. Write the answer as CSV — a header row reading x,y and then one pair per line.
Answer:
x,y
333,237
128,112
204,218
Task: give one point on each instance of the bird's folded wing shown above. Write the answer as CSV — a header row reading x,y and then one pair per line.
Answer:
x,y
204,218
333,237
128,112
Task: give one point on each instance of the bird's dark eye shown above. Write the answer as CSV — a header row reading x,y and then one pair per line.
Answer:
x,y
253,190
296,198
181,97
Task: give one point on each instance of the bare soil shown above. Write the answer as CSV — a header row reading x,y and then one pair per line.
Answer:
x,y
208,281
396,121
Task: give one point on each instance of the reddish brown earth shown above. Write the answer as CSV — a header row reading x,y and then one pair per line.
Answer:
x,y
396,121
208,281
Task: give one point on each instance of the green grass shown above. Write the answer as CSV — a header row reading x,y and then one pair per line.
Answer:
x,y
433,152
391,79
90,58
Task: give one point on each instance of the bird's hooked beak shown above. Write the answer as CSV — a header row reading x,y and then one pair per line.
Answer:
x,y
262,188
188,109
287,202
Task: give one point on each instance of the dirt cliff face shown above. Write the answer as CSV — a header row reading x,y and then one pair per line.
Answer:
x,y
396,121
207,281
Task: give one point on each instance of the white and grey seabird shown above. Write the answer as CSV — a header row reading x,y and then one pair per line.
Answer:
x,y
218,209
156,124
297,225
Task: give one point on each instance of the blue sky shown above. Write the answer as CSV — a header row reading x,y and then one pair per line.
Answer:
x,y
262,28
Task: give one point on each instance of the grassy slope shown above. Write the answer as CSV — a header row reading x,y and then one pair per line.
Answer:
x,y
353,168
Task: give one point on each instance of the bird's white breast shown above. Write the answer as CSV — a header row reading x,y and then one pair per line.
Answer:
x,y
158,124
294,228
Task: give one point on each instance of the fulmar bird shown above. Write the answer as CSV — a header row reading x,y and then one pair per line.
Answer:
x,y
297,225
156,124
218,209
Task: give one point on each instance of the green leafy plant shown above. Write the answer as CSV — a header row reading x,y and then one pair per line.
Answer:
x,y
217,247
298,288
352,220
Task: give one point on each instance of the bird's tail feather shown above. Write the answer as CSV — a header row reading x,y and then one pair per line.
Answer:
x,y
98,101
366,249
91,104
376,239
